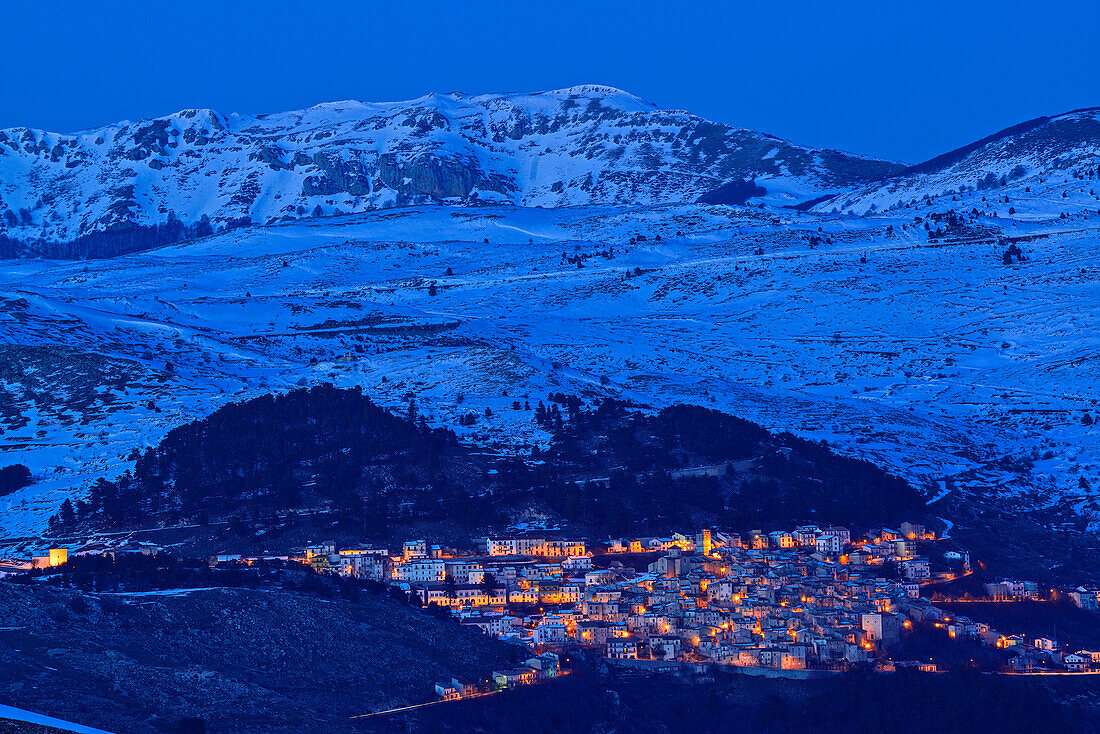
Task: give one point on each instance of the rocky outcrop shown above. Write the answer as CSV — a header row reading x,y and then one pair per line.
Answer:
x,y
438,177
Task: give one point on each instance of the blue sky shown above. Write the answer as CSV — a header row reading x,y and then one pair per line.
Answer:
x,y
901,80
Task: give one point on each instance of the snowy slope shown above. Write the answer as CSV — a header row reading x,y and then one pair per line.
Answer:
x,y
932,358
910,335
199,170
1043,164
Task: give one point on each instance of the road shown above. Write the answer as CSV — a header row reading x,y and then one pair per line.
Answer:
x,y
422,705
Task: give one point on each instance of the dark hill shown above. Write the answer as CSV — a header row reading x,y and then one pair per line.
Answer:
x,y
320,448
688,466
610,469
242,660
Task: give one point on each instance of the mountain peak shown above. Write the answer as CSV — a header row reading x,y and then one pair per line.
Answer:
x,y
595,90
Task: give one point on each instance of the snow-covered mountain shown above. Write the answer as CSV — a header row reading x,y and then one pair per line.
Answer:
x,y
199,171
1046,161
948,335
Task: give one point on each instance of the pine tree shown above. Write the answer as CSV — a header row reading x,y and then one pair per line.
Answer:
x,y
450,587
489,584
67,514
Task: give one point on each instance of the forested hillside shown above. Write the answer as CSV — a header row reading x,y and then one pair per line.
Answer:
x,y
305,450
688,465
610,468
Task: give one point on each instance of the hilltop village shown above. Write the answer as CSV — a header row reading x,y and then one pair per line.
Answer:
x,y
796,603
802,600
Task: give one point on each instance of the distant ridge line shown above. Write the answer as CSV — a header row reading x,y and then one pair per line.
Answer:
x,y
954,156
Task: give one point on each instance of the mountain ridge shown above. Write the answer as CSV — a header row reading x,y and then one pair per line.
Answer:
x,y
1013,160
107,190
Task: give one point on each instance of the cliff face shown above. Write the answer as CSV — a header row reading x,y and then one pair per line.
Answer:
x,y
123,187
